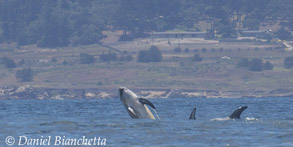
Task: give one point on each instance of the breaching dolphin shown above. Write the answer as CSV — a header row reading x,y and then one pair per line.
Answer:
x,y
135,106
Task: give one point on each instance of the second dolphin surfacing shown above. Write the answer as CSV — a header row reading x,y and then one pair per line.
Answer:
x,y
235,115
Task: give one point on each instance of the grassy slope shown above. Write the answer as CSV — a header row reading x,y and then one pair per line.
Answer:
x,y
177,71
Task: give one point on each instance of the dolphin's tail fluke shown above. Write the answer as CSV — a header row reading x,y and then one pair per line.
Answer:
x,y
192,115
237,113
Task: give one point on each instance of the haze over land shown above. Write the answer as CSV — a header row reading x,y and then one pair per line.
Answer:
x,y
220,48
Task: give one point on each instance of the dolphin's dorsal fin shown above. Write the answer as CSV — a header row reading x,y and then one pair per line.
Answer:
x,y
237,113
147,102
131,112
192,115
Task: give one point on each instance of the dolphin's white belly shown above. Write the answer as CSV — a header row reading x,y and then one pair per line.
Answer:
x,y
139,109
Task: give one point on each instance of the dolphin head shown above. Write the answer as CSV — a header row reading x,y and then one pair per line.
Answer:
x,y
125,93
243,108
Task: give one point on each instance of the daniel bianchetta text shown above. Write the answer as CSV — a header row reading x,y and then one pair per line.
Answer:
x,y
56,141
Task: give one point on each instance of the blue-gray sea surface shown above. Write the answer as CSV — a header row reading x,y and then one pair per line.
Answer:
x,y
266,122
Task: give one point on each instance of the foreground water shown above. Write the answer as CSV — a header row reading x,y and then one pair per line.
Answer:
x,y
267,121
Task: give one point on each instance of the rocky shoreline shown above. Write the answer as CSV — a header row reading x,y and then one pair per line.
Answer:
x,y
29,92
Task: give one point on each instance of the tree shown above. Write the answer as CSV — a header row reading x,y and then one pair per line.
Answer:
x,y
86,58
288,62
197,58
243,63
89,34
24,75
108,57
140,16
268,66
251,23
256,65
227,31
53,59
142,56
8,62
55,29
177,50
62,23
126,58
153,54
283,34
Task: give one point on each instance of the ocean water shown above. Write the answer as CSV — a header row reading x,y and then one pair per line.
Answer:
x,y
266,122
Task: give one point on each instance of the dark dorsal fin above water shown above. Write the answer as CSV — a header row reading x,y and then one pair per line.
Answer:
x,y
192,115
147,102
237,113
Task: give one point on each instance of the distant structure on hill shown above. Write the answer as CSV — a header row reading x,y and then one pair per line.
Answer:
x,y
288,46
178,34
255,33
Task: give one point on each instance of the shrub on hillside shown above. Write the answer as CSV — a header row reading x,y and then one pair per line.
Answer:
x,y
21,62
288,62
107,57
86,58
268,66
197,58
24,75
8,62
255,64
243,63
153,54
125,58
177,50
53,59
